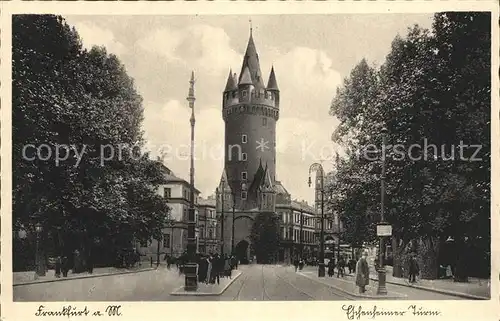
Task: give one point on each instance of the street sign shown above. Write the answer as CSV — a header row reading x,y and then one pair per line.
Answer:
x,y
384,229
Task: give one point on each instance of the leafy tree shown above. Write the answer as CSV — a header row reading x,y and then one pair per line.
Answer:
x,y
432,89
63,95
265,237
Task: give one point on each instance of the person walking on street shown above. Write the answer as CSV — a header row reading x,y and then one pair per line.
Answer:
x,y
234,263
218,266
296,264
362,273
58,266
301,264
227,267
413,269
340,267
208,278
331,268
352,265
202,269
65,265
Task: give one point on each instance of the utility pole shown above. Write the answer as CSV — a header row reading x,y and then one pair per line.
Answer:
x,y
318,168
190,269
301,233
223,196
232,228
382,289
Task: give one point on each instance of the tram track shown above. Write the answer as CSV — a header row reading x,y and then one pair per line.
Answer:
x,y
337,293
264,284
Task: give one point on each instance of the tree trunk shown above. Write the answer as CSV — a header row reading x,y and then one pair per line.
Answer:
x,y
460,273
428,254
398,248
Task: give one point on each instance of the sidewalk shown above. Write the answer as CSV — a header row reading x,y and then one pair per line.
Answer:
x,y
348,286
28,277
209,289
477,289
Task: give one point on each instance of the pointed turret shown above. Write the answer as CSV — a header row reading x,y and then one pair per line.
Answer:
x,y
251,61
245,79
271,83
267,183
224,181
230,85
267,195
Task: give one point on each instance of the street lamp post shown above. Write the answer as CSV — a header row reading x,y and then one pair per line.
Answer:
x,y
382,289
301,234
191,279
223,196
40,269
232,227
319,171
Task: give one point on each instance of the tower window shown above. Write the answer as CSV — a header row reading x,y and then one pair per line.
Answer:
x,y
264,121
244,139
243,175
244,93
243,195
243,156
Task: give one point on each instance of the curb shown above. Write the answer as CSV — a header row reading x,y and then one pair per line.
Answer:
x,y
178,292
81,277
366,296
441,291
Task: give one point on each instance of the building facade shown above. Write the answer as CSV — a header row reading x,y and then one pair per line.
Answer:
x,y
208,241
333,226
176,192
297,231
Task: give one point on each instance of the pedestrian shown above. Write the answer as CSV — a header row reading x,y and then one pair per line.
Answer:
x,y
90,262
169,261
413,268
227,267
209,270
77,262
296,264
340,266
449,272
234,262
218,268
301,264
65,265
331,268
58,266
362,273
352,265
203,269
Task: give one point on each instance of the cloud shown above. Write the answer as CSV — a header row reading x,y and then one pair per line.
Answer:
x,y
93,35
168,131
200,47
307,82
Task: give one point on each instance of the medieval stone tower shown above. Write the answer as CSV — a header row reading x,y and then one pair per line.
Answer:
x,y
250,110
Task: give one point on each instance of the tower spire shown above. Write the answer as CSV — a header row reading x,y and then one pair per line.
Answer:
x,y
230,84
251,29
271,83
251,60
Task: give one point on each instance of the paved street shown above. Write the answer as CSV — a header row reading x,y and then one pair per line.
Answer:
x,y
257,283
155,285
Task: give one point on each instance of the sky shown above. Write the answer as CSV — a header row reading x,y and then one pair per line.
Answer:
x,y
311,55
